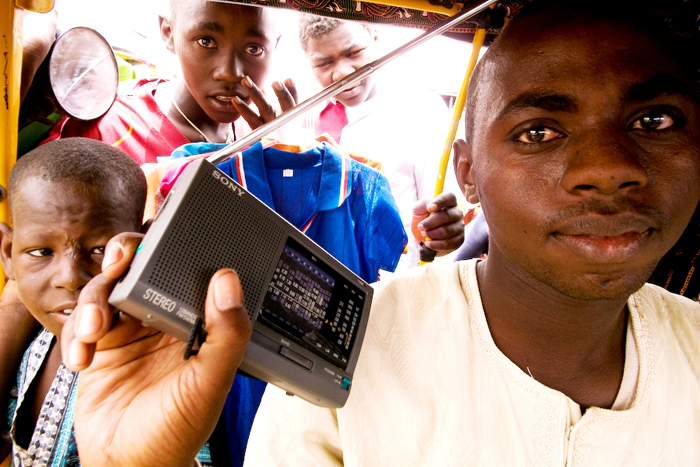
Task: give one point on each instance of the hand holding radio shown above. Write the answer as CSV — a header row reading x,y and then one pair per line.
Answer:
x,y
139,401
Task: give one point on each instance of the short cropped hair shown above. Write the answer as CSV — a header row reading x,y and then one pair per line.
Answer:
x,y
315,26
639,14
93,166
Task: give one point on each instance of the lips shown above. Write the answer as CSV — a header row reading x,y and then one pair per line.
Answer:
x,y
63,313
223,101
351,92
606,239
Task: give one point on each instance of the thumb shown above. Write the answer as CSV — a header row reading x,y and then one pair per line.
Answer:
x,y
227,323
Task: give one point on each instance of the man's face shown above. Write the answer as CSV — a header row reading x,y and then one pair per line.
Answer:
x,y
57,245
217,45
585,156
342,51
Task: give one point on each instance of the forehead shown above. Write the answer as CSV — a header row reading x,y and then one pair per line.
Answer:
x,y
568,58
38,203
345,36
224,17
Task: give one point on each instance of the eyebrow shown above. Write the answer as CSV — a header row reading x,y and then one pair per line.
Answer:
x,y
550,102
210,26
660,85
343,52
216,27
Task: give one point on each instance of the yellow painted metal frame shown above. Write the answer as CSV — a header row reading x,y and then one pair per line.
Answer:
x,y
11,55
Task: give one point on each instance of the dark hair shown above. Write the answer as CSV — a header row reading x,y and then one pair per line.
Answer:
x,y
314,26
641,15
94,167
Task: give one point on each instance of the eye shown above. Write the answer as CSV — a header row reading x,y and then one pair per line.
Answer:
x,y
206,42
322,65
354,53
255,50
537,135
656,121
40,252
98,250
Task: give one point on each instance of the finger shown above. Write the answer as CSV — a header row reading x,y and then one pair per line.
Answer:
x,y
284,96
88,323
119,252
452,217
92,317
420,208
446,245
442,201
253,119
292,88
228,332
76,355
267,111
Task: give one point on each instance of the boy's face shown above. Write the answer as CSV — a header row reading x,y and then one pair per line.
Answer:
x,y
217,45
342,51
585,156
57,245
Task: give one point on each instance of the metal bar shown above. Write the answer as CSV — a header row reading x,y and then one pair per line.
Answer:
x,y
341,85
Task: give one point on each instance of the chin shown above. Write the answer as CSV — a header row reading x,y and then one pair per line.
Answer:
x,y
600,286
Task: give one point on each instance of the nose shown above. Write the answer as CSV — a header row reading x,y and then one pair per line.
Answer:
x,y
606,161
71,273
341,70
229,68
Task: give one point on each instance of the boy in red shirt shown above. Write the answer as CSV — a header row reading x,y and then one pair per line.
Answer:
x,y
225,53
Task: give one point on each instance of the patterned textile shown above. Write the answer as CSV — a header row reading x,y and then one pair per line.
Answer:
x,y
676,270
53,439
683,16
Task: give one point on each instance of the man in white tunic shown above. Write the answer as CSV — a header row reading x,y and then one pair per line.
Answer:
x,y
583,147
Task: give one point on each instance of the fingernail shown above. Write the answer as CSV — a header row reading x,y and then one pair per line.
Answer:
x,y
277,86
247,82
113,254
226,295
90,320
289,82
76,353
432,207
237,100
423,234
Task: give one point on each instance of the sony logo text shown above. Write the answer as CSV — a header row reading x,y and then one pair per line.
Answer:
x,y
227,182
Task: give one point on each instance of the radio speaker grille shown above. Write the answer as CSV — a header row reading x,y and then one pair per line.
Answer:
x,y
209,234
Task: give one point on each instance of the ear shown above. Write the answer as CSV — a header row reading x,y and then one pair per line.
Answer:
x,y
166,33
6,250
464,170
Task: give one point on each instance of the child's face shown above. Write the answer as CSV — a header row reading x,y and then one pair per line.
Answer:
x,y
586,160
217,45
342,51
57,245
